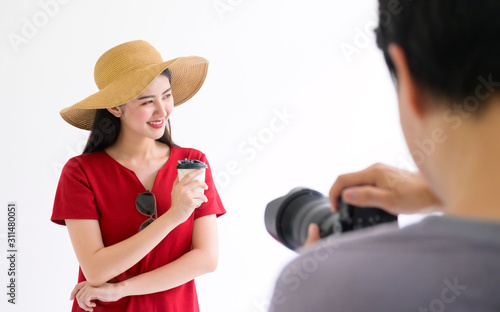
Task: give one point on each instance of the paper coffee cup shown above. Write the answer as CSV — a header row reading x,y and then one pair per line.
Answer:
x,y
186,166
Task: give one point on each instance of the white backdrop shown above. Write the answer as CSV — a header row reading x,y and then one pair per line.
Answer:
x,y
297,93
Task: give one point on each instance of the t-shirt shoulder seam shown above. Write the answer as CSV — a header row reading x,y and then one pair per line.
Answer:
x,y
79,159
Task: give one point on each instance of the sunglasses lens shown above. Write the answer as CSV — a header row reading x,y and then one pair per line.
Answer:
x,y
145,203
145,224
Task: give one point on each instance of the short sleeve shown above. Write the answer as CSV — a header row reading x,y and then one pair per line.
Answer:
x,y
74,197
214,204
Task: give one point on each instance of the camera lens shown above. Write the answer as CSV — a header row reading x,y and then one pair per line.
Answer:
x,y
287,218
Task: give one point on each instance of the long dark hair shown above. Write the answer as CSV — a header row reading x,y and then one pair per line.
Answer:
x,y
106,128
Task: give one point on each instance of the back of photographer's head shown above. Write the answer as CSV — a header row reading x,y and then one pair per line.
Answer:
x,y
450,46
445,58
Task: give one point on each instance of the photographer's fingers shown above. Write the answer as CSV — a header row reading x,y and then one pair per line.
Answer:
x,y
369,196
312,235
363,177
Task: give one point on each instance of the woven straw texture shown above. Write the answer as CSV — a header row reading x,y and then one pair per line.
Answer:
x,y
123,72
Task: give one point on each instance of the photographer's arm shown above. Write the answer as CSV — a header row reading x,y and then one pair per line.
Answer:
x,y
100,264
201,259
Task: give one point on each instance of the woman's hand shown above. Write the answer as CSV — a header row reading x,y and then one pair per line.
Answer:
x,y
393,190
86,294
185,199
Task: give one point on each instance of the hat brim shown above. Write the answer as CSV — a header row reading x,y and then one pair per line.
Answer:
x,y
187,73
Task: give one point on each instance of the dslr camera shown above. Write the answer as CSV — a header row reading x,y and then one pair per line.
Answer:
x,y
287,218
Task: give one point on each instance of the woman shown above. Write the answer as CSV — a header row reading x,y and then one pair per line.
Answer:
x,y
126,178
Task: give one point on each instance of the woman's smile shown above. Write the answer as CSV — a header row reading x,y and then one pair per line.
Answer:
x,y
157,124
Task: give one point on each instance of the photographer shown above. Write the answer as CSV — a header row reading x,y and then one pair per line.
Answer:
x,y
444,57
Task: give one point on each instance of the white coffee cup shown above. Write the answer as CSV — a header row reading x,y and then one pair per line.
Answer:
x,y
186,166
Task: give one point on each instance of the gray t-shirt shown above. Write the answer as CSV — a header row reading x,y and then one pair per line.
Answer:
x,y
439,264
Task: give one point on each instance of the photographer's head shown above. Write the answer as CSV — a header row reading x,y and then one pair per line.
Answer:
x,y
448,44
444,57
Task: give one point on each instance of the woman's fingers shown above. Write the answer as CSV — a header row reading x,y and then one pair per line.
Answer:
x,y
193,174
76,290
87,295
84,298
188,194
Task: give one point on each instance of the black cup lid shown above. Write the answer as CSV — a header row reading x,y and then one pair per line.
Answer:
x,y
190,164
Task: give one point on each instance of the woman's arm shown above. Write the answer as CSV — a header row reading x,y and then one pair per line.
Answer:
x,y
100,264
201,259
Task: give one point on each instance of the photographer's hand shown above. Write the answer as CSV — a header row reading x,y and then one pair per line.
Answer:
x,y
312,235
394,190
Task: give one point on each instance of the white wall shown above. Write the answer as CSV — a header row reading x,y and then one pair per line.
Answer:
x,y
267,59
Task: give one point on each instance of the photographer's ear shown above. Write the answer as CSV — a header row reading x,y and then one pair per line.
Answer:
x,y
409,92
117,111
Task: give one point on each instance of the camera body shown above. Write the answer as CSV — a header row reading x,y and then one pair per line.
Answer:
x,y
287,218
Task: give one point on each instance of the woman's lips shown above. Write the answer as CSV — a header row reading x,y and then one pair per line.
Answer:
x,y
157,124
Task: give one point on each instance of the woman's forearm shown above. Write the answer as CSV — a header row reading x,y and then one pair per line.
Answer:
x,y
203,258
105,263
191,265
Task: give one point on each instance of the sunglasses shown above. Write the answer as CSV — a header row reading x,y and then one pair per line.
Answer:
x,y
146,204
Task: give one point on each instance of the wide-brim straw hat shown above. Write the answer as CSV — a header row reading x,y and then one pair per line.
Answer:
x,y
125,71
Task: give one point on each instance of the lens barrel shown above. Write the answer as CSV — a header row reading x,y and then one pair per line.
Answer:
x,y
287,218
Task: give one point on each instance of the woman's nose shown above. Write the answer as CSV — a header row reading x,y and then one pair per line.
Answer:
x,y
160,108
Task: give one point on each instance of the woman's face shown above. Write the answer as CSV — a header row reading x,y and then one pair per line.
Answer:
x,y
148,113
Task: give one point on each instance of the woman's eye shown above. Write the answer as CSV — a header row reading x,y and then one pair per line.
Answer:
x,y
148,102
166,96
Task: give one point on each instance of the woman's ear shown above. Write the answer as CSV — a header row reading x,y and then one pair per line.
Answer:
x,y
116,111
409,92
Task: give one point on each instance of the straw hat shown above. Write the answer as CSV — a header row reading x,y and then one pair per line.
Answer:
x,y
123,72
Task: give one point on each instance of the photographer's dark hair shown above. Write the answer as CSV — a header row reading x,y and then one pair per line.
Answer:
x,y
106,128
449,45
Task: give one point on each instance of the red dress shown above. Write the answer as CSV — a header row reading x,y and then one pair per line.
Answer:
x,y
96,186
